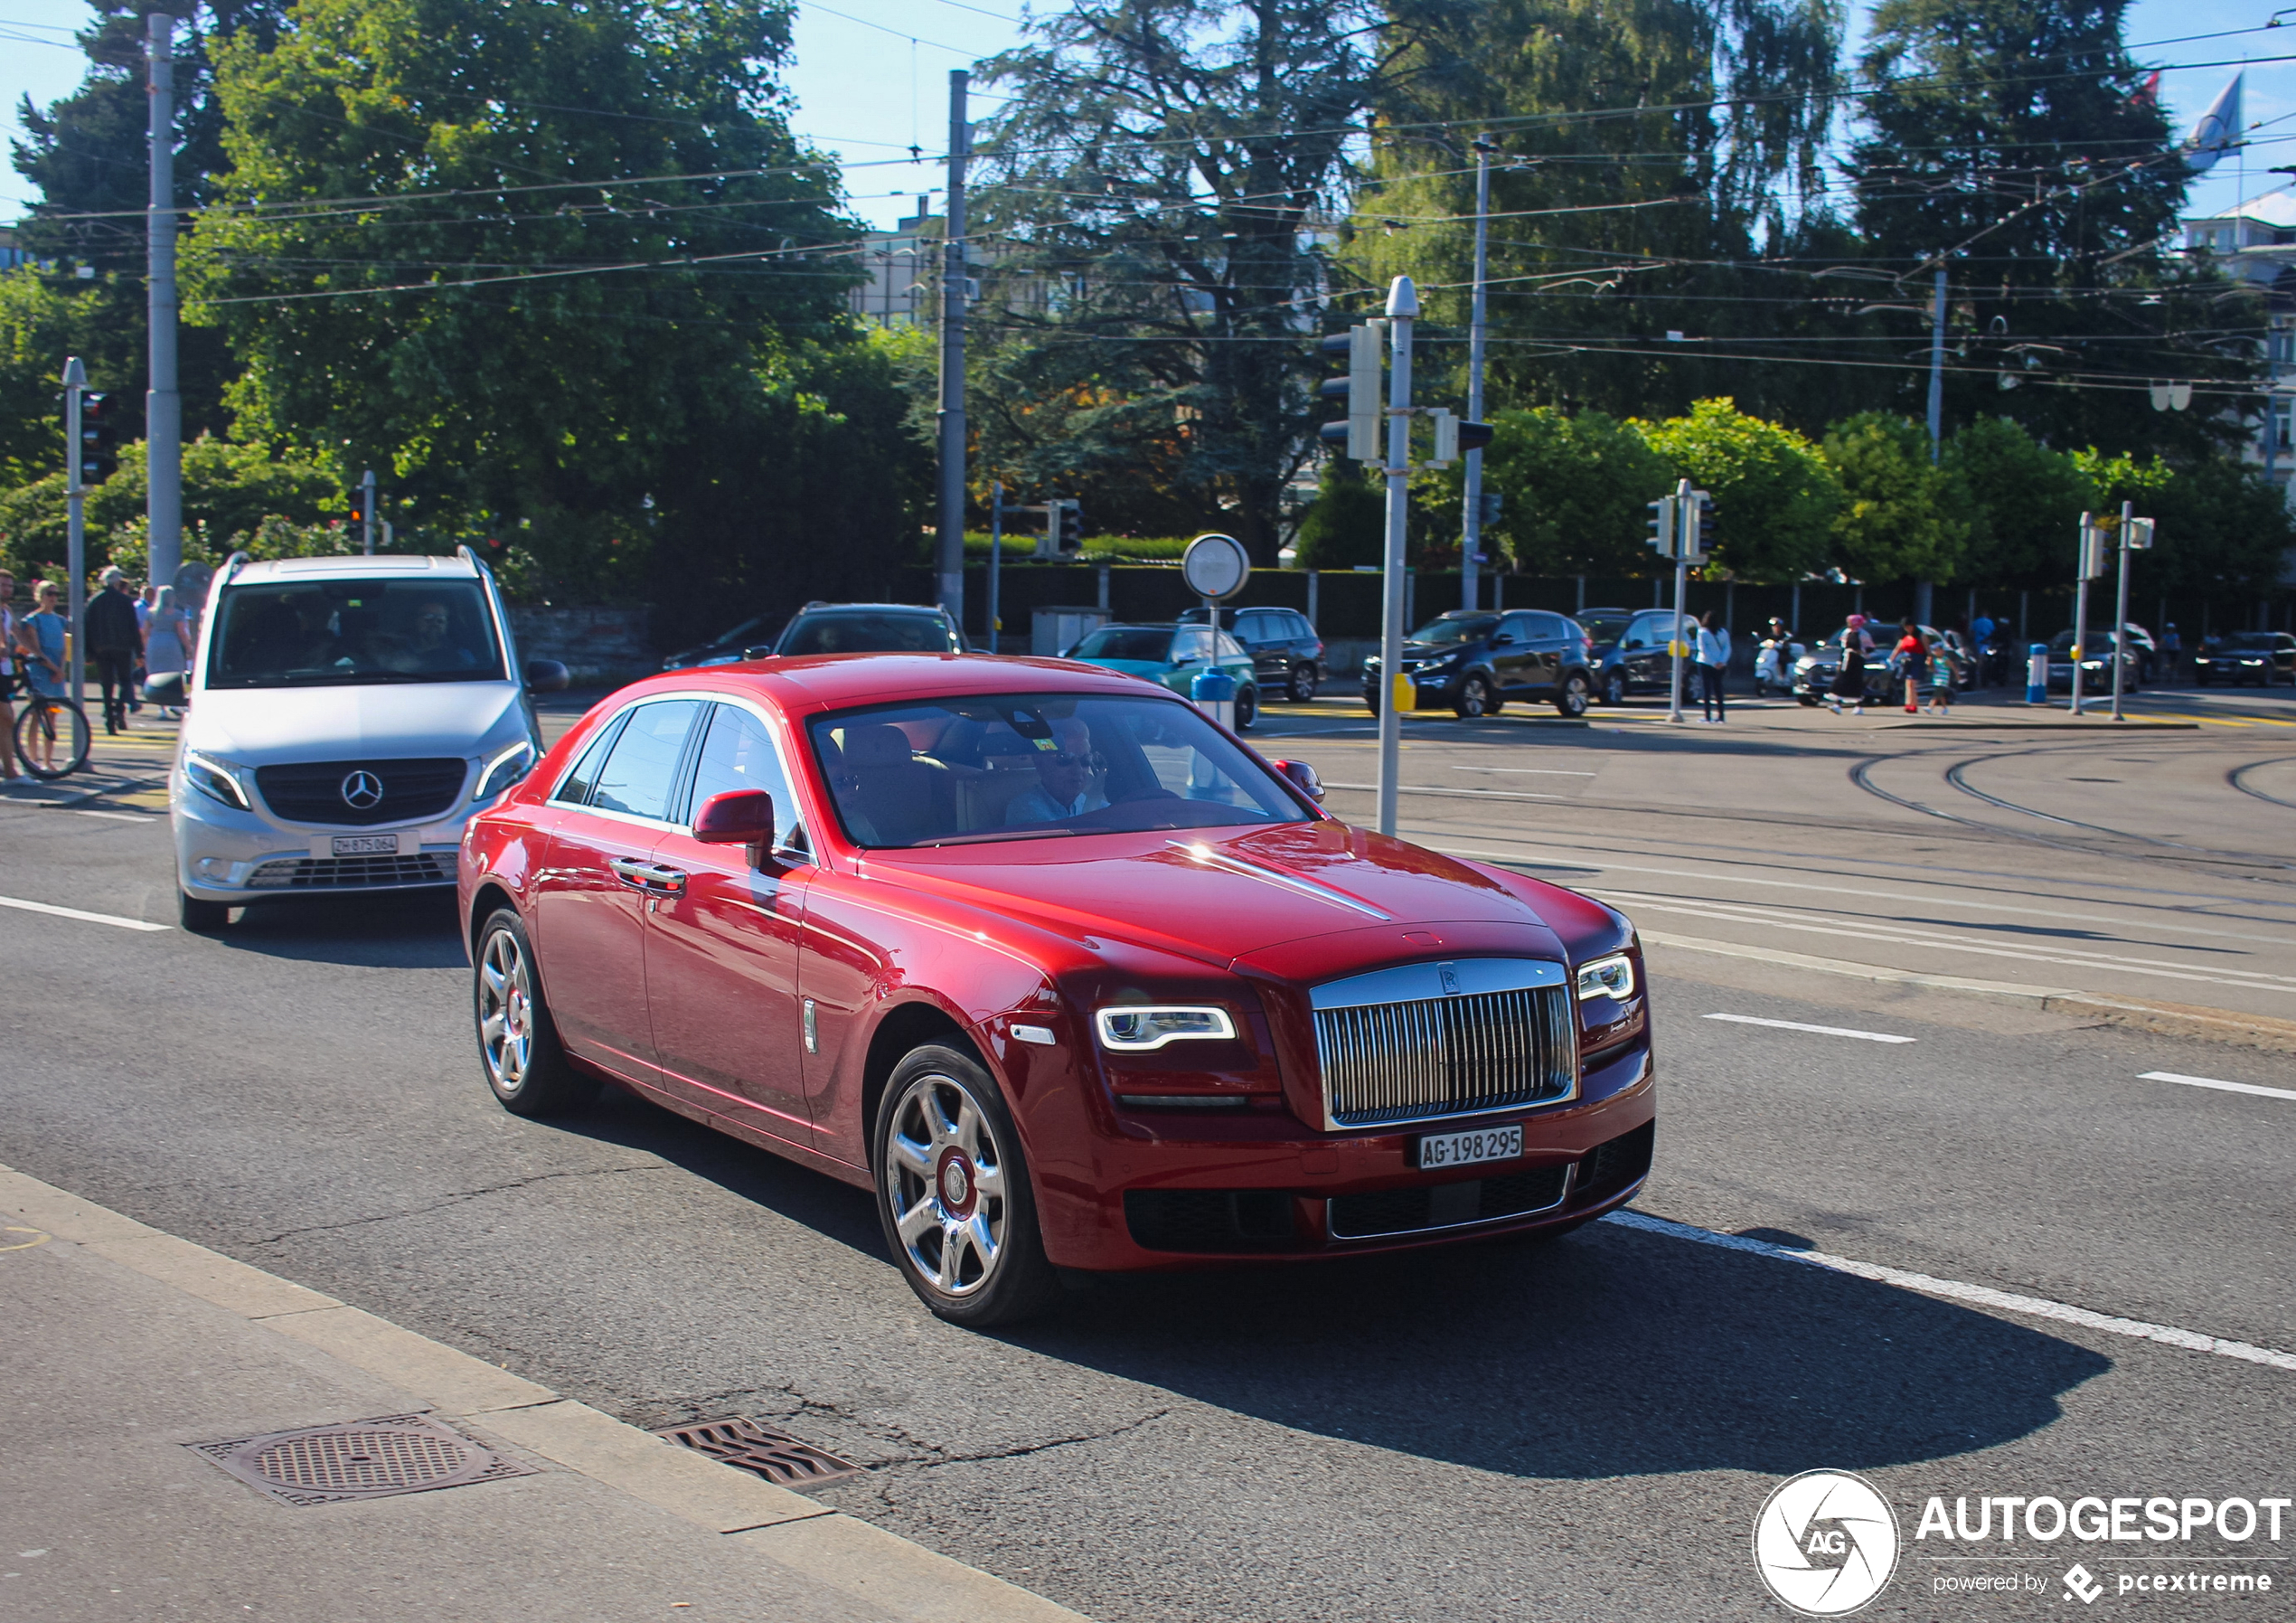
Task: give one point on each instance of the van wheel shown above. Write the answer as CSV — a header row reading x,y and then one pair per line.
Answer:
x,y
201,918
526,1067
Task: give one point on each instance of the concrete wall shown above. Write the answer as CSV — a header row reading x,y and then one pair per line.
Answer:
x,y
593,644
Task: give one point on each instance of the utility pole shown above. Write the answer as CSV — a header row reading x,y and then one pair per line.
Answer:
x,y
950,549
1685,540
163,406
1921,603
1470,553
75,531
996,554
1403,308
367,513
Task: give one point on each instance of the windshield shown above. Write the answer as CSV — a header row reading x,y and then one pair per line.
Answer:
x,y
1464,628
870,633
1151,645
1606,627
1038,766
2098,642
2250,642
328,633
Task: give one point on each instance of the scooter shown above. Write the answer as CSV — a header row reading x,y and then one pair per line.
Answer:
x,y
1773,667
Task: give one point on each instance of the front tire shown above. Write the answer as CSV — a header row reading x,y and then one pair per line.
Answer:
x,y
1614,687
1476,699
1302,683
1572,700
953,1192
525,1065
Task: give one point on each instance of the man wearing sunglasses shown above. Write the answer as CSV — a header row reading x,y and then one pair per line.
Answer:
x,y
1068,778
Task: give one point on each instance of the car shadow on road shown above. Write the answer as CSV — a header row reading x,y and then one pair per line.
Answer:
x,y
1609,1353
370,931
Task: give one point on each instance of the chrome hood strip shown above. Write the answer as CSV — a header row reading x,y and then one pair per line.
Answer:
x,y
1290,882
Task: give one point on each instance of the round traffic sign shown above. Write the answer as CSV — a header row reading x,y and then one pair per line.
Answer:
x,y
191,583
1216,566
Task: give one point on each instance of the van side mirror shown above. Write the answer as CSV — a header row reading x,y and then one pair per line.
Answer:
x,y
171,692
546,676
737,817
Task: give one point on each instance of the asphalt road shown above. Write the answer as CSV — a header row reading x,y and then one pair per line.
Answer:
x,y
1585,1430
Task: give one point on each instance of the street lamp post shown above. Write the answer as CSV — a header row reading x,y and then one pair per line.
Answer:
x,y
1403,308
1470,553
75,531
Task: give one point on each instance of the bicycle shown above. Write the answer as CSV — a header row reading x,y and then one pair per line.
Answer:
x,y
52,736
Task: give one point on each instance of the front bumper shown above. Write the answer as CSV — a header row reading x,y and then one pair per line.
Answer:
x,y
1179,1190
227,856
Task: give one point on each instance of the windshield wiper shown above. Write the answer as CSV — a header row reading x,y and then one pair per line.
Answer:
x,y
993,833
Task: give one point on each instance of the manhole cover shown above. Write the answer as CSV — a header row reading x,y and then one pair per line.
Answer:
x,y
359,1459
775,1455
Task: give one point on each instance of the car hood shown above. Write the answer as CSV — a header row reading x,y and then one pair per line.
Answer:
x,y
1218,895
257,726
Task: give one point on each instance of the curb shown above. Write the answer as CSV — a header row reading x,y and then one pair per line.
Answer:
x,y
810,1538
2164,1019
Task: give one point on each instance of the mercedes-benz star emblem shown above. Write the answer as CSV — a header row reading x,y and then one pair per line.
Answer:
x,y
363,792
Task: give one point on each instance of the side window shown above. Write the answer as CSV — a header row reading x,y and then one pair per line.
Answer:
x,y
1191,642
1522,627
1230,648
578,782
643,764
1296,624
739,754
1549,628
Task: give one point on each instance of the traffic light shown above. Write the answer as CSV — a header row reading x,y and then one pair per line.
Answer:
x,y
1362,345
1492,501
1068,527
98,435
358,504
1701,540
2092,545
2141,534
1455,435
1661,536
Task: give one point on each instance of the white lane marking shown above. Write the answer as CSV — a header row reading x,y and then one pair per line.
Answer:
x,y
115,816
1423,789
73,912
1982,1296
1526,772
1823,1030
2210,1081
1736,913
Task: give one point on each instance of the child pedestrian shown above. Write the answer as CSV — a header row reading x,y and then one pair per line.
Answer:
x,y
1941,681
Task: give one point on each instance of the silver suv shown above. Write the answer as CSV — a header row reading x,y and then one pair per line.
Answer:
x,y
347,716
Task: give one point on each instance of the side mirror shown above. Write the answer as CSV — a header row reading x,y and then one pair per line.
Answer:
x,y
1503,639
737,817
757,651
546,676
1304,779
171,692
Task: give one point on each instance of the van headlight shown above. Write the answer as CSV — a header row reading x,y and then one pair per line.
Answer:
x,y
217,779
1612,977
1137,1029
503,771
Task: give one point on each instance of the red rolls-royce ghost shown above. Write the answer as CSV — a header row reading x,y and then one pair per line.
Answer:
x,y
1063,972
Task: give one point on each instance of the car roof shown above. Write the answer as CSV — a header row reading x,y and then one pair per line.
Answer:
x,y
808,683
921,609
354,567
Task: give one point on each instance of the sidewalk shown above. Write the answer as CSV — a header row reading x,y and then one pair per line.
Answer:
x,y
123,1345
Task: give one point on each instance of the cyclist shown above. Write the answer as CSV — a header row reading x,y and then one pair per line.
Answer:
x,y
7,674
42,637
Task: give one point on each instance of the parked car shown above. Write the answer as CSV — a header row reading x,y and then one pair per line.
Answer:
x,y
820,906
1631,652
1814,672
852,628
346,717
2096,664
1473,661
2239,657
1173,656
1287,656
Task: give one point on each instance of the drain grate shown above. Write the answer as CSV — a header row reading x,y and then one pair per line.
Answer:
x,y
775,1455
359,1459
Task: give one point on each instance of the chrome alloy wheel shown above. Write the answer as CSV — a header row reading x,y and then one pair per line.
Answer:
x,y
943,1174
506,1012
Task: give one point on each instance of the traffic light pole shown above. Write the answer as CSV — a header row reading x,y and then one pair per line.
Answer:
x,y
1403,307
75,531
2080,612
949,550
996,554
1685,530
367,513
2121,605
163,405
1470,553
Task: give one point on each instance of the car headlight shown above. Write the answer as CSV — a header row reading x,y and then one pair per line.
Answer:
x,y
1612,977
2252,661
504,770
1137,1029
217,780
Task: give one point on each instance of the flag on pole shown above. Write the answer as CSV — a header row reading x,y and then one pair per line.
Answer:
x,y
2218,131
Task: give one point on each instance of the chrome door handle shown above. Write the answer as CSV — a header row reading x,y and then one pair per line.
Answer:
x,y
662,877
629,870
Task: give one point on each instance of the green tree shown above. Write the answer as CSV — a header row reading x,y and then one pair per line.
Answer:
x,y
2025,501
1346,526
2008,141
1775,496
1901,518
2223,531
1574,489
558,273
1151,183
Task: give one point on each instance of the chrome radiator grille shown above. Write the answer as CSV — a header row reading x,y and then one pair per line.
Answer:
x,y
1413,1058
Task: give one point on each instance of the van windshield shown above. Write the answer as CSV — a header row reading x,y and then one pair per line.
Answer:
x,y
329,633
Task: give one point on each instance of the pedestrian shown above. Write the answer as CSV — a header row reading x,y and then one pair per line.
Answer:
x,y
1849,681
2172,651
1775,663
1714,657
8,663
41,637
1940,678
1981,647
118,644
1909,660
167,649
145,600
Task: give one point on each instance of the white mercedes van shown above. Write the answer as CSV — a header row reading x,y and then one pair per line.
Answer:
x,y
345,717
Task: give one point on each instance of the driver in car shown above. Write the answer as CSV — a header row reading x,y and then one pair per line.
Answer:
x,y
1067,782
431,647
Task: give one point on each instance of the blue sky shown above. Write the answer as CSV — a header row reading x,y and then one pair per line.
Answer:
x,y
871,76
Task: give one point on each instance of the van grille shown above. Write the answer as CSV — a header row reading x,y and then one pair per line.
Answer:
x,y
312,791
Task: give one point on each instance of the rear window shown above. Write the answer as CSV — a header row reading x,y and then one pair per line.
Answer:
x,y
869,633
1145,643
